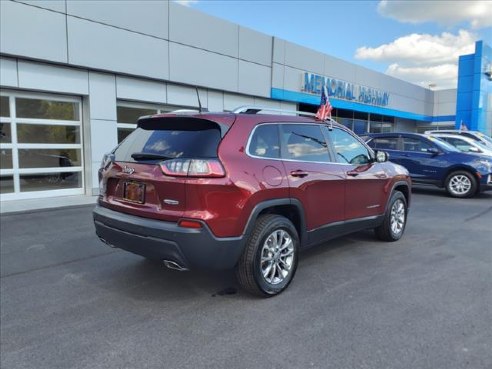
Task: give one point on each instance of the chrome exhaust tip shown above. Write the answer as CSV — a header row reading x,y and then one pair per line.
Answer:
x,y
107,243
174,266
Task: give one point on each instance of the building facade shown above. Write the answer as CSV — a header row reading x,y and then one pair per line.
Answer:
x,y
75,76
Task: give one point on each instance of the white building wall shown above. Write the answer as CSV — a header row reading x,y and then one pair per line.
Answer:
x,y
146,51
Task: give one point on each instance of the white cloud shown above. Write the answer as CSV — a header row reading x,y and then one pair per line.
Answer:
x,y
423,58
477,13
422,49
441,77
186,2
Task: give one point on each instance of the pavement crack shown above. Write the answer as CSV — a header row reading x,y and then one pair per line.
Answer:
x,y
55,265
479,214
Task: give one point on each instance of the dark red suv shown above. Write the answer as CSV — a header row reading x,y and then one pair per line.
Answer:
x,y
245,191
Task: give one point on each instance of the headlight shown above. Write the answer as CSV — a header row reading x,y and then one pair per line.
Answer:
x,y
487,164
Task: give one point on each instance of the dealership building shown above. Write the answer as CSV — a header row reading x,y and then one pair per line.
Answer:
x,y
75,76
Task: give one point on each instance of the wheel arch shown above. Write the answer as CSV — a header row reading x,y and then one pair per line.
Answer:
x,y
457,168
404,188
292,209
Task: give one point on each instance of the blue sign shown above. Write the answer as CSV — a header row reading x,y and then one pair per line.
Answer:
x,y
339,89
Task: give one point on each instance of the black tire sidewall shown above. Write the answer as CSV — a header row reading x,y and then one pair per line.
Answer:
x,y
277,223
473,188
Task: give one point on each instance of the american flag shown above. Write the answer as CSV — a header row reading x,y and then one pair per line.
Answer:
x,y
463,127
325,108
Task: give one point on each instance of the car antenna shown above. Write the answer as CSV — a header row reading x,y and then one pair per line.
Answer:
x,y
199,102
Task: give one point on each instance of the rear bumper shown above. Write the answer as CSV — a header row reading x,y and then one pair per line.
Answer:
x,y
159,240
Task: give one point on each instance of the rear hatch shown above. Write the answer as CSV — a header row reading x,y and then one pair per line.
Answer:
x,y
148,171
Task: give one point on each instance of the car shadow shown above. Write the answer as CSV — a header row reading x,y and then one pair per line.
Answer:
x,y
440,192
143,279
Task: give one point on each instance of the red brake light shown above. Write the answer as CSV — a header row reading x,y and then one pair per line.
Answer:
x,y
192,168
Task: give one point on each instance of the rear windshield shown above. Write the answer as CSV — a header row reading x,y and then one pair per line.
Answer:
x,y
170,141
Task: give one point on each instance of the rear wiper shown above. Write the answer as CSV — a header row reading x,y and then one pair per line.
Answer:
x,y
148,156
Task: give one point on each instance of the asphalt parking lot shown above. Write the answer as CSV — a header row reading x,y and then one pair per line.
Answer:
x,y
68,301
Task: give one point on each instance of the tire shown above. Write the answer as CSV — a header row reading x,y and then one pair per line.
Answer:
x,y
461,184
262,278
395,219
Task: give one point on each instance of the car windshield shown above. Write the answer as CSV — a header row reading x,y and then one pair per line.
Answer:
x,y
443,144
484,137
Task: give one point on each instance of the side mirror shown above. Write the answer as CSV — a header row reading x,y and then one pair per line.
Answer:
x,y
381,156
474,149
433,151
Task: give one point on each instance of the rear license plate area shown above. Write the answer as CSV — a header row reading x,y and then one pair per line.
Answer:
x,y
134,192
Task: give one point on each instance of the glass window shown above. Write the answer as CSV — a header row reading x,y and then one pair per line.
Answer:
x,y
360,126
4,106
6,184
184,139
50,181
304,142
265,142
49,158
415,144
348,148
124,133
5,159
385,143
126,114
5,133
46,109
49,134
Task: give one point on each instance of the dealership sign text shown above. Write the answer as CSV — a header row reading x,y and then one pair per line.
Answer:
x,y
339,89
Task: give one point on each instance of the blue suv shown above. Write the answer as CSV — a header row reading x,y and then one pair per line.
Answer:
x,y
432,161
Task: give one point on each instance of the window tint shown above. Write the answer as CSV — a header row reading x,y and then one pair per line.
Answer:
x,y
304,142
415,144
185,142
265,141
385,143
348,148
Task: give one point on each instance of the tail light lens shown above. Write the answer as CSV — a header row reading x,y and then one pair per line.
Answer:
x,y
192,168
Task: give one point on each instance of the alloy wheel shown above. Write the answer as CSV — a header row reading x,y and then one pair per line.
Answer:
x,y
397,220
460,184
277,256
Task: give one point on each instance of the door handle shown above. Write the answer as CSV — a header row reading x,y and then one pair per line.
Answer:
x,y
298,173
352,173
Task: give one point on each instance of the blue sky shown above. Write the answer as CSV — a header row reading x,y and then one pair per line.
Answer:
x,y
418,41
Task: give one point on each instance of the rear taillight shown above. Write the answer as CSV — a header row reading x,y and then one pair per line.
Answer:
x,y
192,168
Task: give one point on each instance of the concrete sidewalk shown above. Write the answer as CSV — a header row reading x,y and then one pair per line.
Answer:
x,y
16,206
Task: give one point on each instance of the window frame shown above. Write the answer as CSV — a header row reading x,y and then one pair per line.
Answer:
x,y
16,172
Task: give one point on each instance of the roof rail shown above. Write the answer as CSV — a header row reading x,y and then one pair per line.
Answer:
x,y
251,109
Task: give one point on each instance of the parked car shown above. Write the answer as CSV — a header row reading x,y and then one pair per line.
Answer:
x,y
474,135
432,161
464,144
245,191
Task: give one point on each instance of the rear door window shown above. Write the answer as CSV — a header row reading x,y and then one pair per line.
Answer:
x,y
415,144
265,142
385,143
186,140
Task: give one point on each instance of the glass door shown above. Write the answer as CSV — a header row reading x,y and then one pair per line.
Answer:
x,y
40,146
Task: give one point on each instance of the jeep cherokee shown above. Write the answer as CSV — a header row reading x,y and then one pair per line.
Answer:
x,y
244,191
